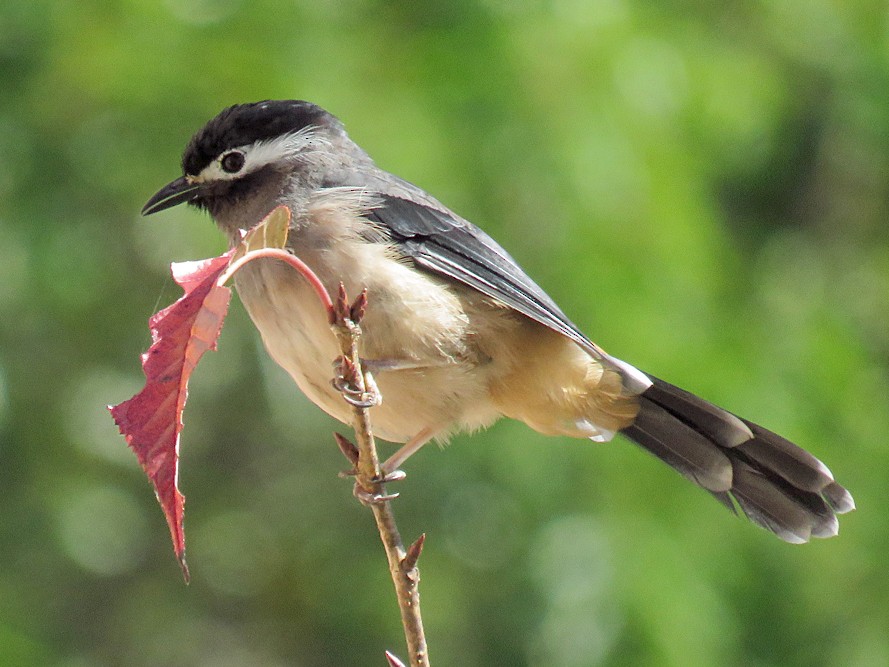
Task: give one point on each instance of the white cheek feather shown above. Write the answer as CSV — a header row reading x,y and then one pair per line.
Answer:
x,y
262,153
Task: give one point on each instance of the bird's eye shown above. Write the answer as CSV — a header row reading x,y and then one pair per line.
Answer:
x,y
232,162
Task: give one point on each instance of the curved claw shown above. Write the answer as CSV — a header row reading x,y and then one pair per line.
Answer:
x,y
342,385
369,498
355,396
347,382
394,476
370,401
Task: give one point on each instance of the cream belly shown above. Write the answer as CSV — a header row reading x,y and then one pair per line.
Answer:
x,y
443,382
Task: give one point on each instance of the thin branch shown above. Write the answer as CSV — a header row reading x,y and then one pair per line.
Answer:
x,y
369,478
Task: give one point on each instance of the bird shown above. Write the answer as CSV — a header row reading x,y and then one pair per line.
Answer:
x,y
456,334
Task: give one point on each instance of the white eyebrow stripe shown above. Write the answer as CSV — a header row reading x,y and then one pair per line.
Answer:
x,y
262,153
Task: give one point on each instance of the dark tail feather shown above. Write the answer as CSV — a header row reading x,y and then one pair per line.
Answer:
x,y
775,483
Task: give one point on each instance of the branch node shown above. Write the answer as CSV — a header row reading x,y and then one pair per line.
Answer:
x,y
409,562
341,305
393,660
347,447
359,307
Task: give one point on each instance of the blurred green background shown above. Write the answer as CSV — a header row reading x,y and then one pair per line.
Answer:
x,y
702,186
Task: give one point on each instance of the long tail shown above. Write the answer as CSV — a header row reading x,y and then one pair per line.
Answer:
x,y
775,483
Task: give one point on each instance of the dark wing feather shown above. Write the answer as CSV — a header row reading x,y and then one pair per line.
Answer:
x,y
444,243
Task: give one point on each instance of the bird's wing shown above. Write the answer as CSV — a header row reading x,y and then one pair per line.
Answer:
x,y
443,243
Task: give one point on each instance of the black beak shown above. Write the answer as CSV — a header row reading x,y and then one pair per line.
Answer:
x,y
177,192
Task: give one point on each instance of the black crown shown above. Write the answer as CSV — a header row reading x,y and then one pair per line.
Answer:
x,y
244,124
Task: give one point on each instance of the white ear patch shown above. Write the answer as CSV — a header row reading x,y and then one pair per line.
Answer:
x,y
262,153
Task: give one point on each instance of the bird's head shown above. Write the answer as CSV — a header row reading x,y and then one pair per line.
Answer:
x,y
248,149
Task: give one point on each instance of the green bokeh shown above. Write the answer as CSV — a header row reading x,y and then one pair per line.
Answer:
x,y
704,187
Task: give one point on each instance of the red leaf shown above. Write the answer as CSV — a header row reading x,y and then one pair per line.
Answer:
x,y
151,421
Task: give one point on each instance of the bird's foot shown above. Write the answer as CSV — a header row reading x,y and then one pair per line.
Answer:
x,y
360,391
376,497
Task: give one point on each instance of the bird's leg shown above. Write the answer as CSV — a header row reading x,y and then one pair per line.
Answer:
x,y
376,366
346,382
390,466
387,365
